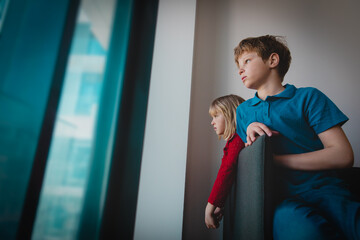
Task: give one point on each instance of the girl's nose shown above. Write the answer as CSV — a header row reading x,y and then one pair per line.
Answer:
x,y
241,71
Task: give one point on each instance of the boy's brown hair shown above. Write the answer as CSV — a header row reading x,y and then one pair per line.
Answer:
x,y
264,46
226,105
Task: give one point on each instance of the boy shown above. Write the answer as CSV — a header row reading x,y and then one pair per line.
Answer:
x,y
308,144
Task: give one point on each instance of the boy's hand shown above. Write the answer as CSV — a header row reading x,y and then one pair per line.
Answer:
x,y
256,129
210,217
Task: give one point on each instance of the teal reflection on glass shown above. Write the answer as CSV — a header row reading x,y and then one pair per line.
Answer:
x,y
30,40
66,176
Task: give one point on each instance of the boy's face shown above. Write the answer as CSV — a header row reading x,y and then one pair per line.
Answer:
x,y
254,72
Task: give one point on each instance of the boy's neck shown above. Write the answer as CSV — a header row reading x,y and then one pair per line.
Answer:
x,y
270,89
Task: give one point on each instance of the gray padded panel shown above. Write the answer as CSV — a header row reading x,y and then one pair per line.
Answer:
x,y
250,205
249,200
250,192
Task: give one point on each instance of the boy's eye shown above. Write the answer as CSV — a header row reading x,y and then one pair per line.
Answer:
x,y
247,60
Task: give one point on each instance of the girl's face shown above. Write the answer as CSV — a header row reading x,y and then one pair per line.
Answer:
x,y
218,122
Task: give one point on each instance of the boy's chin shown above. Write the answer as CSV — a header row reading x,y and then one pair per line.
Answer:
x,y
250,86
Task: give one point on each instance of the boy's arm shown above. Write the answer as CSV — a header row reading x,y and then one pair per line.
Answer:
x,y
337,153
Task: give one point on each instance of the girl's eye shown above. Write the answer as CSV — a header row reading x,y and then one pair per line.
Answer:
x,y
247,60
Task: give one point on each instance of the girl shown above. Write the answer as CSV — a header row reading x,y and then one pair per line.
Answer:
x,y
223,113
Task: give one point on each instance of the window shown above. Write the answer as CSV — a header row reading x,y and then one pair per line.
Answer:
x,y
67,171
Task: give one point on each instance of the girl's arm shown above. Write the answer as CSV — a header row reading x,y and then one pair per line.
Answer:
x,y
223,182
227,172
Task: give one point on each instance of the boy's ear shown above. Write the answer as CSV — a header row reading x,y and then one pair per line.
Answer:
x,y
274,60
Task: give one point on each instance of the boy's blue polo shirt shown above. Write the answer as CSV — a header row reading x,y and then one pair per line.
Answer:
x,y
299,114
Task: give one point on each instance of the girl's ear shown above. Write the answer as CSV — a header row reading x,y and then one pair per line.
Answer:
x,y
274,60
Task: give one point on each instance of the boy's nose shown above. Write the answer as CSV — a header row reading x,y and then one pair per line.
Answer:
x,y
241,71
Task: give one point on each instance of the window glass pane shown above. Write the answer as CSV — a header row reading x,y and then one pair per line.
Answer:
x,y
67,171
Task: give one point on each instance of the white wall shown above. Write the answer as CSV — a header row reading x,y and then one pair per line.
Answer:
x,y
323,37
162,180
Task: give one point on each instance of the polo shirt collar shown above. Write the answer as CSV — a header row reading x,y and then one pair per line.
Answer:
x,y
255,100
288,92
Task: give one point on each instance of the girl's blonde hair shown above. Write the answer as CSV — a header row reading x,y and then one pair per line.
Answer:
x,y
226,105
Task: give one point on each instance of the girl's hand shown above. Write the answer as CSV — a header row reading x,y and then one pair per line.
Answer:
x,y
219,213
210,217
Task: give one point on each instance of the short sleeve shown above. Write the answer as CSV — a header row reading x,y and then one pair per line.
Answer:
x,y
321,112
